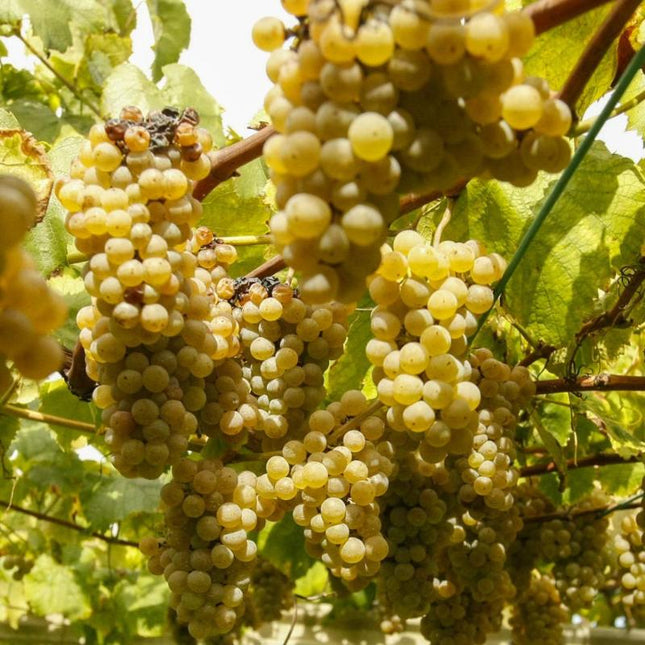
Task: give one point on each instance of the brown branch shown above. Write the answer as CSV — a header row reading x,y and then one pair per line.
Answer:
x,y
541,351
573,513
603,382
268,268
596,48
616,315
226,161
69,525
601,459
547,14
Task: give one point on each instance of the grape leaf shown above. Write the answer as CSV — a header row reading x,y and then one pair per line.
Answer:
x,y
238,207
23,156
128,85
7,120
595,228
72,288
51,588
313,582
171,28
183,88
283,544
351,369
54,20
112,499
555,53
37,118
621,479
580,484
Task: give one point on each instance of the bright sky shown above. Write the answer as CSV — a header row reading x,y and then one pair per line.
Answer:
x,y
221,52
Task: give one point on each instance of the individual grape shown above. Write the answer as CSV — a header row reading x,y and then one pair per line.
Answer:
x,y
268,34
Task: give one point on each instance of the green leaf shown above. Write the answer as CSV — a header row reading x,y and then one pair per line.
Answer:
x,y
8,121
51,588
556,418
37,119
56,399
238,207
53,21
555,53
112,499
352,368
23,156
128,85
595,228
283,544
622,416
183,88
580,484
9,426
171,27
103,52
48,241
72,288
313,582
621,479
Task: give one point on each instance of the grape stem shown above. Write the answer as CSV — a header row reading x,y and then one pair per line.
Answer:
x,y
547,14
602,511
596,48
584,126
226,161
631,278
354,422
32,415
70,525
252,456
445,220
595,382
634,66
600,459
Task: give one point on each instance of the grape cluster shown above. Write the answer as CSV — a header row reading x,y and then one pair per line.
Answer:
x,y
206,556
414,523
488,471
158,333
461,620
380,99
428,300
628,544
577,547
271,592
538,613
29,309
287,346
334,488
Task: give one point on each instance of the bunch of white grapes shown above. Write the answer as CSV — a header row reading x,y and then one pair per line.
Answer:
x,y
332,479
287,346
428,299
577,547
378,99
538,613
271,593
156,330
206,555
29,309
487,471
628,544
